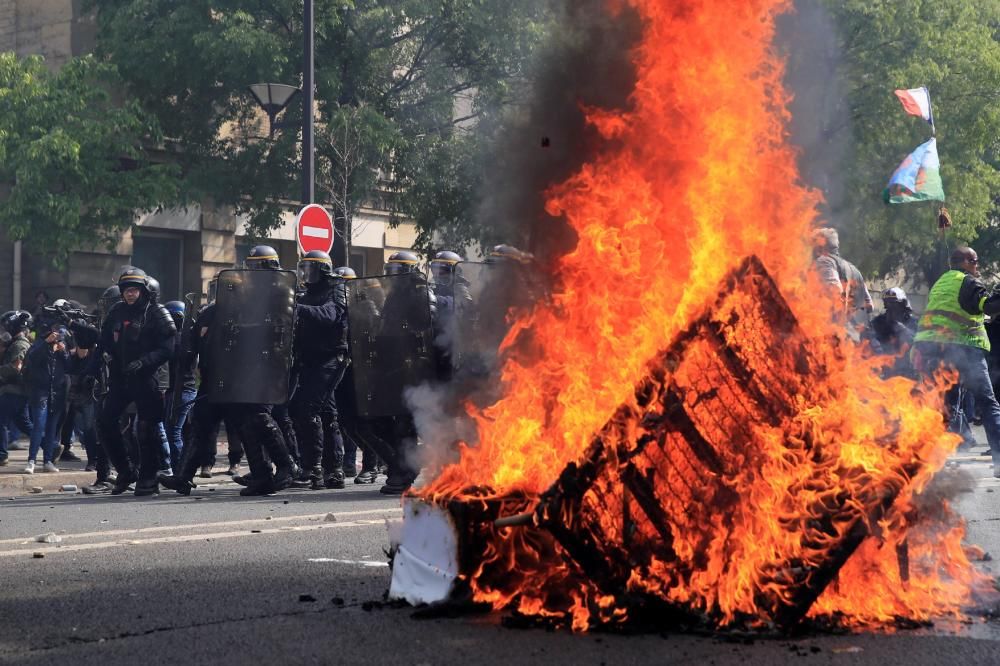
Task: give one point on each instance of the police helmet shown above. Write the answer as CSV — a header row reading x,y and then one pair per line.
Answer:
x,y
153,287
315,266
345,272
895,295
133,277
174,307
263,256
16,321
401,262
444,265
507,253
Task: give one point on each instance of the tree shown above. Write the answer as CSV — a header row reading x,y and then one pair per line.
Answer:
x,y
388,74
952,47
72,165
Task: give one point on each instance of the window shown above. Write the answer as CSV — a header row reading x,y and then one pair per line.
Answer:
x,y
161,255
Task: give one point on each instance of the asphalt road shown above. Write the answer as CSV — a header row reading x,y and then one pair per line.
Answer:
x,y
224,579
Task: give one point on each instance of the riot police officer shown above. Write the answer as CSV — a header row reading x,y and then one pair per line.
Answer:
x,y
266,257
254,422
453,310
320,360
138,336
346,404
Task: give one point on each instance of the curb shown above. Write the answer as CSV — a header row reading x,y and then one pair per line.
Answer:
x,y
45,481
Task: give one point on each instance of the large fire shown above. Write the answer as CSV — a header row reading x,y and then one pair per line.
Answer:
x,y
695,175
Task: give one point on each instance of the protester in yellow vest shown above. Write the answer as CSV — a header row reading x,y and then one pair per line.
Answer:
x,y
951,332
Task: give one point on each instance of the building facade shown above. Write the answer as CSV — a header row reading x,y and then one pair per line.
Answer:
x,y
182,248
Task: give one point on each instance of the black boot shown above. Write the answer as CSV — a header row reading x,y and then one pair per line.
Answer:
x,y
147,488
258,488
334,480
283,478
367,476
125,479
397,484
176,483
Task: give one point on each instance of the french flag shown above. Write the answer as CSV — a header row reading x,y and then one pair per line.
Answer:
x,y
917,102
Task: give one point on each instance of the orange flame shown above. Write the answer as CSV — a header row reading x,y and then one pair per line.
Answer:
x,y
696,174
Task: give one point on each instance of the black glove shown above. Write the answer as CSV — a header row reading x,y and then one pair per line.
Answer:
x,y
133,367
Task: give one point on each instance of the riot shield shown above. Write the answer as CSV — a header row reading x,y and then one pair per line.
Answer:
x,y
475,332
250,341
391,340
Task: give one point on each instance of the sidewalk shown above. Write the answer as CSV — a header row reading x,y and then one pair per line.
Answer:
x,y
13,480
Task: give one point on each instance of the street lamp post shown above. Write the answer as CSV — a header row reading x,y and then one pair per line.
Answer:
x,y
308,146
273,97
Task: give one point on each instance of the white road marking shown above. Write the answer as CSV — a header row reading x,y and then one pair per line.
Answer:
x,y
362,563
180,538
205,532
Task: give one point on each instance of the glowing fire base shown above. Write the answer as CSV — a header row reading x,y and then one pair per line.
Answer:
x,y
654,517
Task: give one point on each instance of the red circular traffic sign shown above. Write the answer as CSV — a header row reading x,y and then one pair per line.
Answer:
x,y
314,229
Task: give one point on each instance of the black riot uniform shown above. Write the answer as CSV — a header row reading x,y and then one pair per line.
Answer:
x,y
139,340
320,361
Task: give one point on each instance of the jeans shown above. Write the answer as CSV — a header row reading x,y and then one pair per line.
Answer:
x,y
86,421
176,424
45,410
13,415
973,374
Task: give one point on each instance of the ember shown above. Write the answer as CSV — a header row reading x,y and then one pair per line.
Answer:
x,y
723,454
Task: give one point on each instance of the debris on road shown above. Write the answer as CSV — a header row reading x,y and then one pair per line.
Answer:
x,y
69,488
330,518
48,537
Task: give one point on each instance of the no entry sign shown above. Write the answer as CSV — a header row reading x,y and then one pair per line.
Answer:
x,y
314,229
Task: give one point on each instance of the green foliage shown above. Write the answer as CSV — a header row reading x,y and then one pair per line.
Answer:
x,y
952,47
71,162
388,73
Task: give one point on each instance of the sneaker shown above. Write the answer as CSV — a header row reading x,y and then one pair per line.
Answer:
x,y
206,472
350,471
69,456
99,488
30,467
17,446
242,479
50,467
366,476
996,471
233,470
3,462
91,467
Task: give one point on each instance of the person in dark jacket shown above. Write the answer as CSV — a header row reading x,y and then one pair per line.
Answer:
x,y
13,392
82,397
138,336
45,372
321,359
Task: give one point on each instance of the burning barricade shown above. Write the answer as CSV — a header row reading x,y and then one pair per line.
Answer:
x,y
713,498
